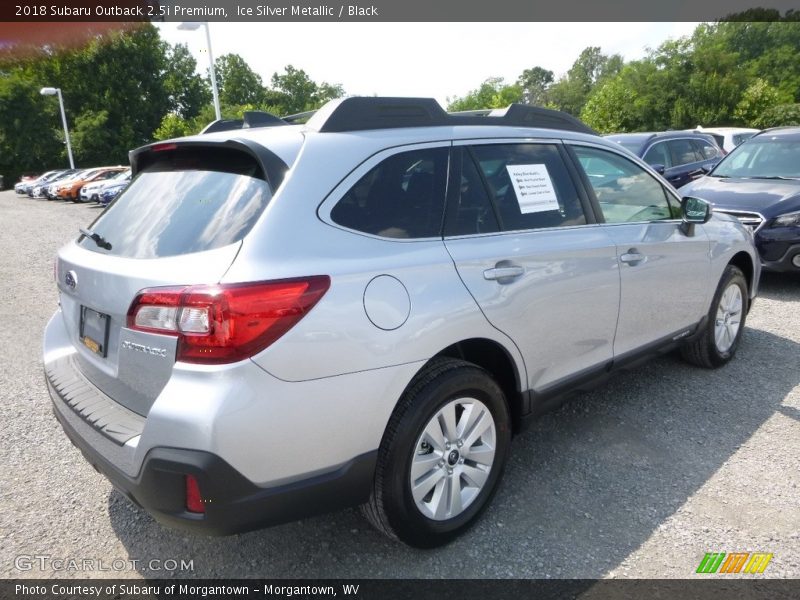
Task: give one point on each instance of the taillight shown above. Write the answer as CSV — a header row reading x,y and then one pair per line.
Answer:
x,y
163,147
227,322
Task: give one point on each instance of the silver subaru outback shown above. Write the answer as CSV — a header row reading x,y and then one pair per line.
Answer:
x,y
287,319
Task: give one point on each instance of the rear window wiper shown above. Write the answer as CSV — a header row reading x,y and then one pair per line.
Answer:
x,y
95,237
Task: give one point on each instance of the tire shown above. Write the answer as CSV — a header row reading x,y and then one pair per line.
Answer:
x,y
469,396
718,343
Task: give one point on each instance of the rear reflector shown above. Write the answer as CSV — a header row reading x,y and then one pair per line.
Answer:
x,y
228,322
194,501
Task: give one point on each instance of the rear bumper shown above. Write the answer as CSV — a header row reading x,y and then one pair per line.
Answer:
x,y
246,436
233,504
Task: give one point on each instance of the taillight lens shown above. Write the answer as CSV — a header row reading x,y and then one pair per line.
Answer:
x,y
227,322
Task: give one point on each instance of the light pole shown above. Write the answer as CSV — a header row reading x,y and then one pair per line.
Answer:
x,y
194,26
51,91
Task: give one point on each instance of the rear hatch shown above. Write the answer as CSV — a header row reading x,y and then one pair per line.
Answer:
x,y
180,222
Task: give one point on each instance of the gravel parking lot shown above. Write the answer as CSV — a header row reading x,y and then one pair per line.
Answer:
x,y
639,478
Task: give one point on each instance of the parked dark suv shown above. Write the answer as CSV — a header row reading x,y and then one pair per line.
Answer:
x,y
680,156
759,183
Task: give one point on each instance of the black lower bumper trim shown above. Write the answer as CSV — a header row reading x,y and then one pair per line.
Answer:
x,y
233,503
784,264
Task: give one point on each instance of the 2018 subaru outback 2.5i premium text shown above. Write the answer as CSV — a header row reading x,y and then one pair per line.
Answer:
x,y
280,321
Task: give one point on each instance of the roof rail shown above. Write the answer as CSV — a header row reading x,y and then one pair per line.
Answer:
x,y
301,117
222,125
363,113
251,119
259,118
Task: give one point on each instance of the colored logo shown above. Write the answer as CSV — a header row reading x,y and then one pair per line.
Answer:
x,y
734,562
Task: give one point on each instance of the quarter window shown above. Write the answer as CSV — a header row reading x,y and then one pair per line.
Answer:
x,y
625,191
530,186
707,150
402,197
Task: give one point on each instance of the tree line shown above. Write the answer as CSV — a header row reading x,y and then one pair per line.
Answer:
x,y
740,71
122,89
128,87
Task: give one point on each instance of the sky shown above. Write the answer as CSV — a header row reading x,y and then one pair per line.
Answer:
x,y
441,60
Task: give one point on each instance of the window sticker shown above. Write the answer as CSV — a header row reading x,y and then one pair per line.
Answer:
x,y
533,187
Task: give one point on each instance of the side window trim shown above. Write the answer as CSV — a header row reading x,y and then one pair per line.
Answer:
x,y
470,155
458,155
583,181
592,214
341,189
669,193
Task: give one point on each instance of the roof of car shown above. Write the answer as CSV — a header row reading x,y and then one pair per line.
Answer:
x,y
647,135
358,113
372,121
788,133
700,129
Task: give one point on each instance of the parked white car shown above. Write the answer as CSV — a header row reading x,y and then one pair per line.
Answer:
x,y
728,137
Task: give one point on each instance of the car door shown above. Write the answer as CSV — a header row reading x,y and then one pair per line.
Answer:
x,y
521,238
663,271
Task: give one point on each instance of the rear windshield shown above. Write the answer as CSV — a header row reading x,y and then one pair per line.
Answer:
x,y
185,202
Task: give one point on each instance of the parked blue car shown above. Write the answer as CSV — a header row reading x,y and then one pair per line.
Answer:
x,y
680,156
111,191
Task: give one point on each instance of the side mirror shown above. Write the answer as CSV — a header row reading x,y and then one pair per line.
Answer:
x,y
694,211
658,168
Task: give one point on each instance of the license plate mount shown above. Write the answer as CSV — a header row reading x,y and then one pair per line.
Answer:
x,y
94,330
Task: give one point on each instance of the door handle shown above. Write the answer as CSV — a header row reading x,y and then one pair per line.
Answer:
x,y
632,257
500,273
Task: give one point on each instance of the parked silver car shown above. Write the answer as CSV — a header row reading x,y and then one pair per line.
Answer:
x,y
280,321
91,192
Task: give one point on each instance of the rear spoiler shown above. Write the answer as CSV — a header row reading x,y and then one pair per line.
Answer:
x,y
273,167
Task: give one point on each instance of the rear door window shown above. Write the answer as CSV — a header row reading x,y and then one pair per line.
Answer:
x,y
683,152
402,197
184,202
530,186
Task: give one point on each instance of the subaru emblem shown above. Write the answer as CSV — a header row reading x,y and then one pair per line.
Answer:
x,y
71,279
